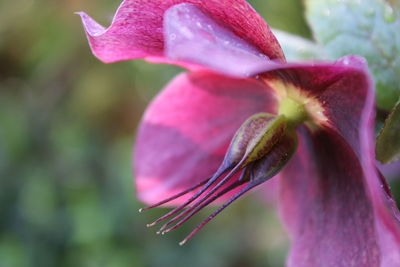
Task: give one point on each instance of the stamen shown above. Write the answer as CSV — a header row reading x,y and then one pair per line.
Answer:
x,y
221,208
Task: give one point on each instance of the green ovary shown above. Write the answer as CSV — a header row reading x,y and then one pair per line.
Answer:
x,y
294,111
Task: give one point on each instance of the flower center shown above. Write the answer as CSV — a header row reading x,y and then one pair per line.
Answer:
x,y
297,105
294,111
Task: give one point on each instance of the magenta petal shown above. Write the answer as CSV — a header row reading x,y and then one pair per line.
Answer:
x,y
192,122
348,100
326,205
137,28
337,165
192,35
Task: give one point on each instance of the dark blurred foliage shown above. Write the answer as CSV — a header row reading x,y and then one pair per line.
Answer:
x,y
67,126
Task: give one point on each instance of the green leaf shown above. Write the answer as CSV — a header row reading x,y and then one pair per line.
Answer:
x,y
298,48
370,28
388,141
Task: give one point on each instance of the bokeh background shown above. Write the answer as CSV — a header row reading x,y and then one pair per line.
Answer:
x,y
67,127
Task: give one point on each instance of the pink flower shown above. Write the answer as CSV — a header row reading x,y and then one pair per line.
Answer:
x,y
242,114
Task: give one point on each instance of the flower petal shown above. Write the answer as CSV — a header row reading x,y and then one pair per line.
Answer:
x,y
137,28
192,35
192,122
346,94
348,100
345,91
326,205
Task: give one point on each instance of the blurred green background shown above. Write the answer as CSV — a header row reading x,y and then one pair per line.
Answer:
x,y
67,125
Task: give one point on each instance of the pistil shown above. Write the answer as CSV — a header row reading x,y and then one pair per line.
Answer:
x,y
259,149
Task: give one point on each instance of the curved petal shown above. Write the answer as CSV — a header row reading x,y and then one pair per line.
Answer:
x,y
191,35
137,28
345,91
192,122
348,100
326,205
346,94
